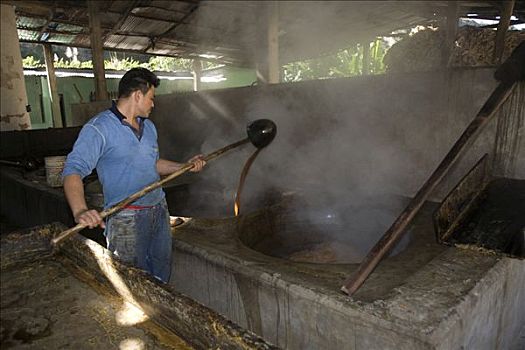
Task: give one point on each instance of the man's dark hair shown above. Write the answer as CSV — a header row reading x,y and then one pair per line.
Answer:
x,y
137,79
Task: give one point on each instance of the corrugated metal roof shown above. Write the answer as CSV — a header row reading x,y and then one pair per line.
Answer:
x,y
27,35
27,22
147,27
114,41
69,28
133,43
232,29
61,38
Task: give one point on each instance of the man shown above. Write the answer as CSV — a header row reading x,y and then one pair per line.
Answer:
x,y
121,143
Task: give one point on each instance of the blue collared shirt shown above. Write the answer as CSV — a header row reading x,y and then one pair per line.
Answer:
x,y
122,119
125,162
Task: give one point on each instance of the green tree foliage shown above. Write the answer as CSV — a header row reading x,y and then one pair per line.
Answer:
x,y
170,64
33,58
31,62
73,64
123,64
344,63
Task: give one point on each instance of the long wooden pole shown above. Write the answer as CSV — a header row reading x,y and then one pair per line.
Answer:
x,y
396,231
120,205
52,84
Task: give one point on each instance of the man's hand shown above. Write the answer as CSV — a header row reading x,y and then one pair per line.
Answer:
x,y
74,190
89,217
199,163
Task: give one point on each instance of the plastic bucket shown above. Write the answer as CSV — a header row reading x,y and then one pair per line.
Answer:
x,y
54,167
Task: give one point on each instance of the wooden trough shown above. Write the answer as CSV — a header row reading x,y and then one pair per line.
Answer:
x,y
176,314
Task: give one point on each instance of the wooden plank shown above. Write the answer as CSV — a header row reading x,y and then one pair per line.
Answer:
x,y
52,85
101,93
503,26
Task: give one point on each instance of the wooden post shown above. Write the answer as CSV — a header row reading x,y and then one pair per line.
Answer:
x,y
366,57
267,49
261,49
273,42
451,31
52,86
503,26
97,50
197,74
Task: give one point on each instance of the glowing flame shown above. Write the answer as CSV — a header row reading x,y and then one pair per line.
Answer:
x,y
236,208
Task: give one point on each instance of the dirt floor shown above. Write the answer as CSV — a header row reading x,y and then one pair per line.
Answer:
x,y
46,305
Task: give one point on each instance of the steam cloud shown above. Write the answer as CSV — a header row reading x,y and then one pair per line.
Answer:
x,y
338,150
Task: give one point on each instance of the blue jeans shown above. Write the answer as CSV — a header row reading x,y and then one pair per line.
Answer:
x,y
142,238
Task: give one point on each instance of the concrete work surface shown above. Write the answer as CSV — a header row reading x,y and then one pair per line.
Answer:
x,y
427,297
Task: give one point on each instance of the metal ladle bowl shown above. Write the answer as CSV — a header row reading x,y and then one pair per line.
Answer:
x,y
261,132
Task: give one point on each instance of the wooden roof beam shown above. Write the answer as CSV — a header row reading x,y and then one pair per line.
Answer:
x,y
97,49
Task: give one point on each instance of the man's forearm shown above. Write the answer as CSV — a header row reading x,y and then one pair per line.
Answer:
x,y
166,167
74,190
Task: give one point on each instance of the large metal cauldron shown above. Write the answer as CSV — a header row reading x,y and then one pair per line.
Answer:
x,y
300,231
